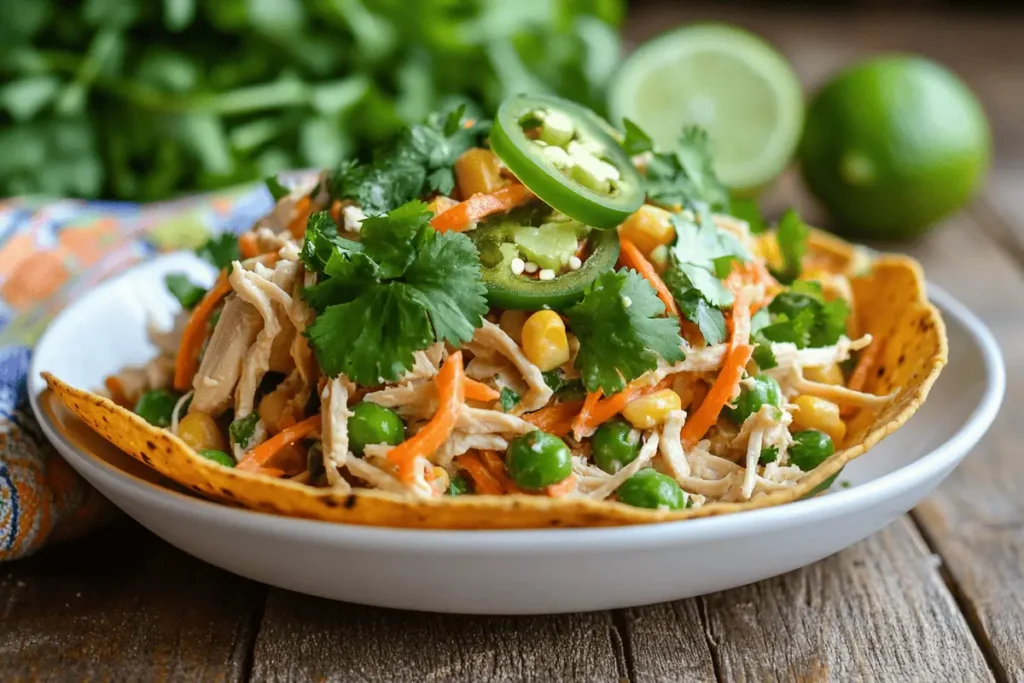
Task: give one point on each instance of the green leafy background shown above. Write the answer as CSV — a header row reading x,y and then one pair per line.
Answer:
x,y
145,100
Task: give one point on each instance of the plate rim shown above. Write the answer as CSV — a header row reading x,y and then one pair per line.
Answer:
x,y
721,527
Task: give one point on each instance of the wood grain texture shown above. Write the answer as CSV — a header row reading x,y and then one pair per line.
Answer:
x,y
976,518
304,638
668,642
876,611
123,605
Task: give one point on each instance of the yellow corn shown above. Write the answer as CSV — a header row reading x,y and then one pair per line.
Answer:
x,y
511,323
441,203
441,480
544,340
651,410
825,374
200,431
648,228
478,170
812,412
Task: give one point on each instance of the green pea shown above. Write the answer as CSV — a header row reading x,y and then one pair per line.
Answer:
x,y
768,454
765,390
156,407
649,488
370,424
219,457
459,486
810,448
615,444
538,459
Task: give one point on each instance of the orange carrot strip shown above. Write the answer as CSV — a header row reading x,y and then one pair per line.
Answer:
x,y
478,391
258,457
303,210
633,258
116,388
721,391
555,419
567,485
483,481
187,360
608,408
451,394
247,245
463,215
495,464
580,424
859,376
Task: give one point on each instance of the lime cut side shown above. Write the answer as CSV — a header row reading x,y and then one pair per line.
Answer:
x,y
725,80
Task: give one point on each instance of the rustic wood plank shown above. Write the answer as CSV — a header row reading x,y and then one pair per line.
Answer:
x,y
667,642
875,611
303,638
976,518
123,605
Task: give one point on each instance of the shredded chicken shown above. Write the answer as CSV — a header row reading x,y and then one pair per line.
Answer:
x,y
490,336
177,410
239,326
671,445
459,443
257,360
335,430
647,451
480,421
137,380
835,393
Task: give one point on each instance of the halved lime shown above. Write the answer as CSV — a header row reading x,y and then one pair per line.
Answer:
x,y
725,80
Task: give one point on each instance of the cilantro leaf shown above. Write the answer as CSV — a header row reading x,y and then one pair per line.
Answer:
x,y
404,287
792,237
371,338
763,354
182,289
700,255
708,319
509,398
276,189
620,333
802,316
220,250
685,175
563,388
636,141
242,429
318,245
747,210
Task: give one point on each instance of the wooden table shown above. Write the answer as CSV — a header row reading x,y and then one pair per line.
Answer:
x,y
936,596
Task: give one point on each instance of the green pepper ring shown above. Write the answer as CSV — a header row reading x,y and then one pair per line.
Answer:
x,y
510,291
522,157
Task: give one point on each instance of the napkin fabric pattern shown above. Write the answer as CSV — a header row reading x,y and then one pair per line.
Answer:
x,y
51,252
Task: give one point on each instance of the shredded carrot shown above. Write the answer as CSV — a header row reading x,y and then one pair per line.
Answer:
x,y
259,456
631,257
606,409
336,206
478,391
493,461
582,421
451,394
187,361
247,245
465,214
555,419
483,481
303,210
859,376
567,485
721,391
116,388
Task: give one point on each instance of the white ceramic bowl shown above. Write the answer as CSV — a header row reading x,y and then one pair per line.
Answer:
x,y
511,572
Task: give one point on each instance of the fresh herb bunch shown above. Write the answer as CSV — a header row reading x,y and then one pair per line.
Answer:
x,y
137,100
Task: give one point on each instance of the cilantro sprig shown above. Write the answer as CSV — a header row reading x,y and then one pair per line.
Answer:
x,y
802,316
792,237
400,289
682,176
419,162
621,332
184,290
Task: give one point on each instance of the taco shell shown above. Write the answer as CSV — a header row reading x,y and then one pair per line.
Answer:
x,y
891,305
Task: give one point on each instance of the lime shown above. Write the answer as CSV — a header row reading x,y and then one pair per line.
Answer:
x,y
892,145
725,80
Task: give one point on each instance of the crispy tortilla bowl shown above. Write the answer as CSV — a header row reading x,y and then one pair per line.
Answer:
x,y
892,307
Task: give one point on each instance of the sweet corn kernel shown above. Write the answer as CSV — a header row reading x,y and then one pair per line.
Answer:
x,y
651,410
544,340
825,374
200,431
511,323
648,228
812,412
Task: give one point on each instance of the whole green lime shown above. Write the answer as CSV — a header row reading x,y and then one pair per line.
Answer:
x,y
892,145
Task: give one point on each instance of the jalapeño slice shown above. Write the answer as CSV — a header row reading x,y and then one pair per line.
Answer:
x,y
566,155
500,243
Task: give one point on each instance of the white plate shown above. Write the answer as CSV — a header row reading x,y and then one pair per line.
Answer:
x,y
511,572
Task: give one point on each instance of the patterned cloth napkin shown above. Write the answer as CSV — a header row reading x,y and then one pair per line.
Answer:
x,y
51,251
